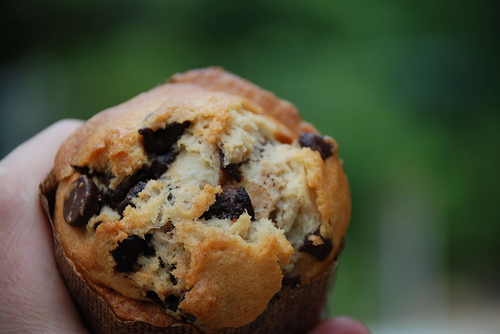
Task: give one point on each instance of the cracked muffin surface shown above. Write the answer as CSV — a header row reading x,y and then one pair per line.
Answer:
x,y
203,197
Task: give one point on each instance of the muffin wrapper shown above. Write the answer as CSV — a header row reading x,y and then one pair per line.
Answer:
x,y
292,310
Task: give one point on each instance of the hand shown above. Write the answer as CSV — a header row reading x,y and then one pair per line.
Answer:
x,y
33,297
339,325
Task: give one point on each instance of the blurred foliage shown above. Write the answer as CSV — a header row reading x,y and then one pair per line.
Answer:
x,y
409,89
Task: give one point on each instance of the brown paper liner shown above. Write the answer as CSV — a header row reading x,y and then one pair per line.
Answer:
x,y
292,310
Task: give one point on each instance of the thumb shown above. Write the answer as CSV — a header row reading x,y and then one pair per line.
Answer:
x,y
33,297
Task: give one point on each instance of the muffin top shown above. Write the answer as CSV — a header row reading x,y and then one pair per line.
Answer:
x,y
202,196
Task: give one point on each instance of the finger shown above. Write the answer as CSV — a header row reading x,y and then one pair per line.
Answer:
x,y
33,297
24,168
20,174
340,325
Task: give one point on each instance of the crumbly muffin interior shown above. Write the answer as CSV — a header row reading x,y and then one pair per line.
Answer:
x,y
213,215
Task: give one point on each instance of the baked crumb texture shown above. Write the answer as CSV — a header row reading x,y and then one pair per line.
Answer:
x,y
203,197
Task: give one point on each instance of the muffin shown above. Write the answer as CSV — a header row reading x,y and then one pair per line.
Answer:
x,y
203,205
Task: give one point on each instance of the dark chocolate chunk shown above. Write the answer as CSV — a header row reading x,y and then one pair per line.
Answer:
x,y
162,264
128,251
161,140
292,282
273,215
231,203
133,192
171,302
82,201
173,279
144,174
154,296
160,144
317,143
118,198
160,165
114,197
84,170
232,170
320,252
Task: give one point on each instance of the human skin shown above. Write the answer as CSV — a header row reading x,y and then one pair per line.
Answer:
x,y
33,297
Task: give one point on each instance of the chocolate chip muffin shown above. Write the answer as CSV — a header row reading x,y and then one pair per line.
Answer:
x,y
198,201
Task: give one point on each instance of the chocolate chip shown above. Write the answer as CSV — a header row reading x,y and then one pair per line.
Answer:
x,y
133,192
273,215
158,143
84,170
119,197
113,198
161,140
82,201
160,165
173,279
232,170
162,265
128,251
320,252
154,296
231,203
171,302
317,143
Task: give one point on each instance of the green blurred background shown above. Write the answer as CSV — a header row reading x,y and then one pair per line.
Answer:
x,y
409,89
